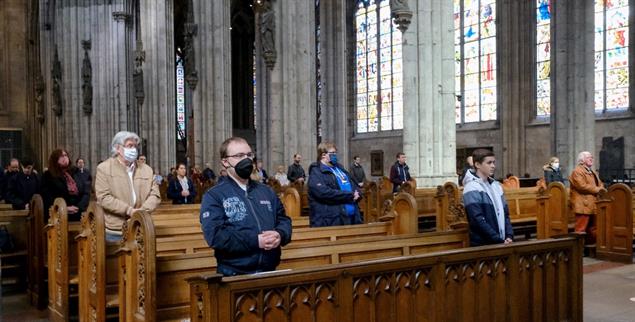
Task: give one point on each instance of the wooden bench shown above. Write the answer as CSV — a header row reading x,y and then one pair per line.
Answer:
x,y
62,263
529,281
526,207
37,288
169,266
14,260
615,231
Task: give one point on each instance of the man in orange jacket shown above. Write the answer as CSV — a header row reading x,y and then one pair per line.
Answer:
x,y
585,185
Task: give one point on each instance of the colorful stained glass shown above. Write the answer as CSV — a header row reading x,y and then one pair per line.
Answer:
x,y
611,55
475,60
543,57
379,67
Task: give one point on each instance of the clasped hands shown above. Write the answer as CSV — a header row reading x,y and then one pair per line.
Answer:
x,y
269,239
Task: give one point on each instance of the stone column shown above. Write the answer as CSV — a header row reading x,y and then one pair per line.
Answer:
x,y
335,115
429,134
572,70
286,112
212,96
516,97
158,119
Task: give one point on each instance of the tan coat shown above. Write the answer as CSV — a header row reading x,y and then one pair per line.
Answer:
x,y
112,187
583,190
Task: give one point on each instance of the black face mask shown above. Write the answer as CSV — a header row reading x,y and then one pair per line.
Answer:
x,y
244,168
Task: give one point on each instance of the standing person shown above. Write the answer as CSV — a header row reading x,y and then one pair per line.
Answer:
x,y
261,172
243,220
399,172
295,171
358,171
333,192
83,174
208,173
281,176
181,189
141,159
23,186
61,181
552,171
12,170
485,204
469,165
123,185
585,184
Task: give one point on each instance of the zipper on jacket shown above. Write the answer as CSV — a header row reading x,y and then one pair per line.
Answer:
x,y
253,213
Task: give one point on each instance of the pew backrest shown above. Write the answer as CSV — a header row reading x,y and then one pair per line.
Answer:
x,y
36,253
615,224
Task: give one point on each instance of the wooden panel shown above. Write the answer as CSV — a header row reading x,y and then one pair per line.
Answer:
x,y
615,224
530,281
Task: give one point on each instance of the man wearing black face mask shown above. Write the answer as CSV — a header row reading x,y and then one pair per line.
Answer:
x,y
243,220
333,192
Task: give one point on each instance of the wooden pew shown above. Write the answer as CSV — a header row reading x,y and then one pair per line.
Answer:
x,y
529,281
37,289
615,224
369,206
14,261
163,189
526,207
62,261
169,266
97,268
292,202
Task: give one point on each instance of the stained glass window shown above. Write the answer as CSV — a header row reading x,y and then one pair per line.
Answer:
x,y
475,59
611,55
180,98
378,68
543,57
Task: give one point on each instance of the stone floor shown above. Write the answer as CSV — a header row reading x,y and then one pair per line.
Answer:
x,y
609,296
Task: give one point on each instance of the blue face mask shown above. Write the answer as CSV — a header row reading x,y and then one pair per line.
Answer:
x,y
333,157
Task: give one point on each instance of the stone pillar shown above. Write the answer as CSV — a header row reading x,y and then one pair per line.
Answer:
x,y
572,70
516,96
286,107
158,119
335,114
212,96
429,134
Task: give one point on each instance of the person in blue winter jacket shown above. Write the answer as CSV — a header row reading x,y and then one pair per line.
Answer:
x,y
485,204
243,220
333,192
181,188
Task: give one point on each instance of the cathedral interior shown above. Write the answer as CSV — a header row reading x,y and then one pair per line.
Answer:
x,y
434,79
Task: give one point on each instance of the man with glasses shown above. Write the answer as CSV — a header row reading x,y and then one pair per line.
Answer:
x,y
243,220
333,192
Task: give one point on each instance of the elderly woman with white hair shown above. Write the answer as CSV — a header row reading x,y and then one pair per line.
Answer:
x,y
123,184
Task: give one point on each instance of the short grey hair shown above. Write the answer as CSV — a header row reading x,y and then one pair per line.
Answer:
x,y
120,138
582,155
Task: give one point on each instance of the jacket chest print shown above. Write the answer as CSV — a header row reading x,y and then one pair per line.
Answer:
x,y
235,209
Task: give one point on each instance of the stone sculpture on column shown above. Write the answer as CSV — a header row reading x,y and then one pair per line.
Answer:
x,y
137,75
87,80
401,14
56,75
267,25
39,98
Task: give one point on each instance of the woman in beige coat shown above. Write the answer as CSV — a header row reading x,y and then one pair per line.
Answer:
x,y
123,185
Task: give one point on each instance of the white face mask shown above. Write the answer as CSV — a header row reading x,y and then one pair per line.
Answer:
x,y
555,165
130,154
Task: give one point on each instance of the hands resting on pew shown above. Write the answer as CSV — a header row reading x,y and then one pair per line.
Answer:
x,y
508,241
269,239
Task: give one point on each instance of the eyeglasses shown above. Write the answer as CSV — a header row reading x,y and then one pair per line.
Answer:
x,y
241,155
332,152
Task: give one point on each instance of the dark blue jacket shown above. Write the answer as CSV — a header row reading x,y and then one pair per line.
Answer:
x,y
479,198
21,188
174,192
232,218
327,200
